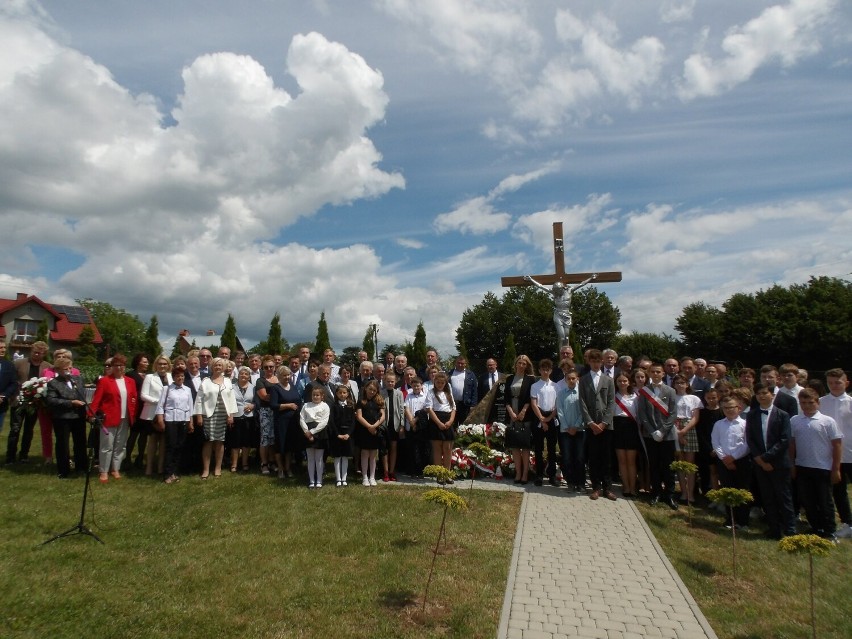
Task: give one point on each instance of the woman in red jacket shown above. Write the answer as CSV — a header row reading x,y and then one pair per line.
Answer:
x,y
115,397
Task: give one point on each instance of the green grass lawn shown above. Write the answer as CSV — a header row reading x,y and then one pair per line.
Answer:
x,y
245,556
769,597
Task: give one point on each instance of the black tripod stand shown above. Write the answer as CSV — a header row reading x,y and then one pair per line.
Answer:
x,y
80,528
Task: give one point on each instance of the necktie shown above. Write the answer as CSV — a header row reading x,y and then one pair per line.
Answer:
x,y
765,412
493,379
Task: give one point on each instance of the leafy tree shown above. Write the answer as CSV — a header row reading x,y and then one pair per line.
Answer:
x,y
509,354
416,352
527,313
274,340
658,346
396,349
369,343
43,332
322,342
350,356
595,321
175,348
85,353
700,328
229,334
121,331
807,324
153,348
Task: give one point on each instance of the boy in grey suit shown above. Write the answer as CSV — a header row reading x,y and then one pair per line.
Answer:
x,y
597,397
657,411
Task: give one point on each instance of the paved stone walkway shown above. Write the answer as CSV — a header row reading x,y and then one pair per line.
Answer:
x,y
583,568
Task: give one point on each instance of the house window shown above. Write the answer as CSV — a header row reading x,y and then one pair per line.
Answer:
x,y
26,331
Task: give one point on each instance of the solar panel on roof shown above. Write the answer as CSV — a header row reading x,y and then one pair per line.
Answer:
x,y
75,314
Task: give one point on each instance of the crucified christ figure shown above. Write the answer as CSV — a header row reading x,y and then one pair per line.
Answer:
x,y
561,304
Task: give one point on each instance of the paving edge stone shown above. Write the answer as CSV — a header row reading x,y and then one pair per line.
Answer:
x,y
503,628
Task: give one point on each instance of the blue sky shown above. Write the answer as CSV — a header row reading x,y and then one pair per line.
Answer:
x,y
389,161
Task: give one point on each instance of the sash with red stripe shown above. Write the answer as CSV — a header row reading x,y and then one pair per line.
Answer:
x,y
656,403
624,408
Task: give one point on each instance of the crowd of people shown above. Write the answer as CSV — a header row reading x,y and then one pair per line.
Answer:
x,y
784,436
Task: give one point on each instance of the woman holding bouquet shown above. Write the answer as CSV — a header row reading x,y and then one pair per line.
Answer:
x,y
66,402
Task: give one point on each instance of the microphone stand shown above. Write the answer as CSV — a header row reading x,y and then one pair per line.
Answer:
x,y
80,528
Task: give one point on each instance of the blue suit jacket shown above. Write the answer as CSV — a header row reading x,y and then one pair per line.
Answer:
x,y
471,387
8,382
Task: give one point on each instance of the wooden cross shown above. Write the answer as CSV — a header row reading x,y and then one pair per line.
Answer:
x,y
560,275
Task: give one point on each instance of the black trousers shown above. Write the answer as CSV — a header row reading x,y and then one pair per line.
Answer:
x,y
776,491
600,448
815,496
548,439
20,420
841,497
739,477
175,438
660,458
76,429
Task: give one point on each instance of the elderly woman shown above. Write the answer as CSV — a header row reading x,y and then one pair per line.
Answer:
x,y
215,409
66,402
519,432
174,416
45,415
239,437
115,397
152,390
285,404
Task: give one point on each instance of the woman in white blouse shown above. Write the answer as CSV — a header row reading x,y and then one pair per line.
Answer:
x,y
215,409
152,390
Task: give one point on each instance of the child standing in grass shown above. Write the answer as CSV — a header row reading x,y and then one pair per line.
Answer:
x,y
314,420
341,427
370,418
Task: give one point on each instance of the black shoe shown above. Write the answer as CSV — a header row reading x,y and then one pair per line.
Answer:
x,y
537,482
655,499
553,482
671,503
24,460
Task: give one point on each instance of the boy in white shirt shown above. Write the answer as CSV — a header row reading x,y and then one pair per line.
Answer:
x,y
838,405
732,457
816,452
543,404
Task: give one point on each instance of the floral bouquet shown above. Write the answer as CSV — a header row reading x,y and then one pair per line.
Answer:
x,y
31,396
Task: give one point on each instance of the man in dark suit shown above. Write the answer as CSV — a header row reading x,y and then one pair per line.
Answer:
x,y
464,387
768,436
25,369
489,378
8,383
672,368
698,385
597,404
769,378
566,352
657,410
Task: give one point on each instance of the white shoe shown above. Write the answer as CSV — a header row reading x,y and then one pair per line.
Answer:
x,y
339,483
344,483
373,481
318,485
844,531
366,482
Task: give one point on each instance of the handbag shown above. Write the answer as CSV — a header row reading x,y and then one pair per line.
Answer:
x,y
519,434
